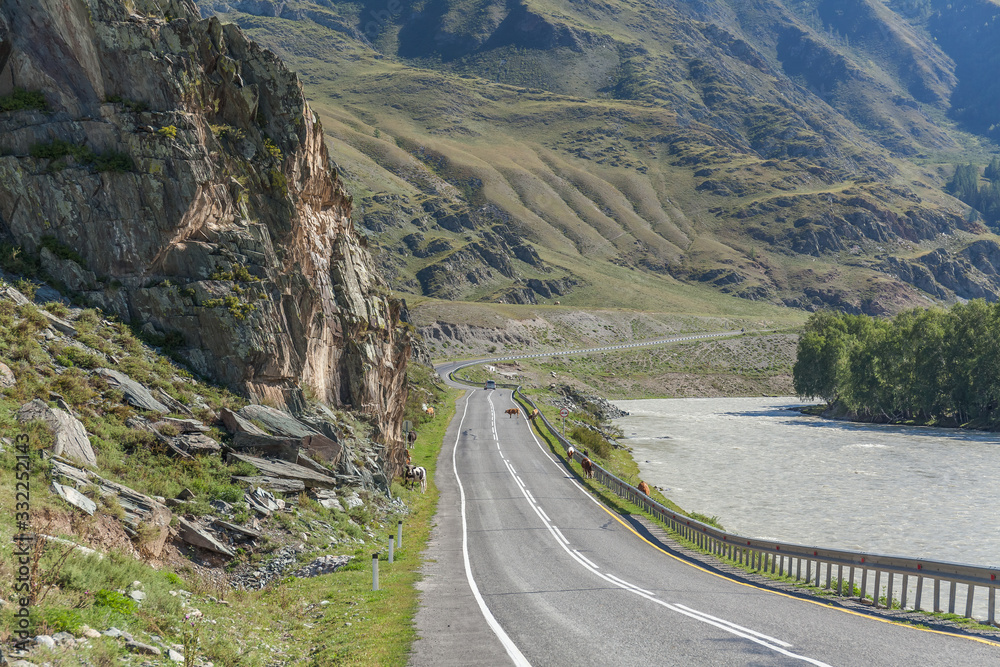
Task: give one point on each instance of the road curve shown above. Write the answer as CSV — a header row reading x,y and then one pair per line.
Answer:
x,y
525,567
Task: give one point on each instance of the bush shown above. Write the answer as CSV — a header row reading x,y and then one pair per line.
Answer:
x,y
57,149
22,99
115,601
591,441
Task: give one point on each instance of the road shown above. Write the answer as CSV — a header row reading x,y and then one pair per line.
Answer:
x,y
525,567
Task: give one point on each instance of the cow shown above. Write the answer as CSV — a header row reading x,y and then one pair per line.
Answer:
x,y
588,468
512,412
644,487
570,453
414,475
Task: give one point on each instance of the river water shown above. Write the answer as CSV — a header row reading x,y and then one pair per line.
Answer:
x,y
773,473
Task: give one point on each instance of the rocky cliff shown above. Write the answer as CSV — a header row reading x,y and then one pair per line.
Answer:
x,y
172,172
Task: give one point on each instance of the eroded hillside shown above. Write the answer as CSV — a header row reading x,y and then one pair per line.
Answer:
x,y
557,150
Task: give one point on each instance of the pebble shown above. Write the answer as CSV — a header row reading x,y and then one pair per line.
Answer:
x,y
46,641
175,656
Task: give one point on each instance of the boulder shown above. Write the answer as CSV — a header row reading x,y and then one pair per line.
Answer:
x,y
7,378
277,421
182,425
197,443
237,424
135,394
286,449
58,323
323,448
201,538
285,470
71,438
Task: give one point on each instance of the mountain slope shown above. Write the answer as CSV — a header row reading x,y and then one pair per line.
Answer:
x,y
787,152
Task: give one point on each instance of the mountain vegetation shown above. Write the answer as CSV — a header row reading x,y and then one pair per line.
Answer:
x,y
926,366
554,150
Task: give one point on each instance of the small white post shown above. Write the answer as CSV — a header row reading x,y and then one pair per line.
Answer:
x,y
391,550
375,572
399,533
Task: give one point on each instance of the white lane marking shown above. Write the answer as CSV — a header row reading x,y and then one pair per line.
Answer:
x,y
632,586
515,653
544,515
584,559
530,497
738,627
727,626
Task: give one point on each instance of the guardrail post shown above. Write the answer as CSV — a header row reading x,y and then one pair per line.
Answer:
x,y
920,593
937,596
888,592
906,589
991,611
819,572
808,571
951,597
864,582
840,580
850,583
968,601
798,569
829,576
878,580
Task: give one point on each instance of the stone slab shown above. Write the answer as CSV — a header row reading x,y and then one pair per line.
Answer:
x,y
136,394
285,470
71,439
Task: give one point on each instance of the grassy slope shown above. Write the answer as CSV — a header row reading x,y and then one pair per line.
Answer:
x,y
355,627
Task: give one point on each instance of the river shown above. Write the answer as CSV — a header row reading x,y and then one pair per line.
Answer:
x,y
769,472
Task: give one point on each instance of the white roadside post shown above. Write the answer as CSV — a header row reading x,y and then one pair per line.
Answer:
x,y
375,572
399,534
391,550
563,413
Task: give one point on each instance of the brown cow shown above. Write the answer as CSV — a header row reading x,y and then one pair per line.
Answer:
x,y
588,468
644,487
512,412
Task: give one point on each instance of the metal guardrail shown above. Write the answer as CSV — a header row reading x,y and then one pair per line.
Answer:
x,y
806,564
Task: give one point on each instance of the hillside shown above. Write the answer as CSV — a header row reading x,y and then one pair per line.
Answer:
x,y
171,514
551,150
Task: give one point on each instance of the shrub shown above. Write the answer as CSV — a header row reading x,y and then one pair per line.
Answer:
x,y
114,601
130,105
57,149
592,441
22,99
61,250
169,131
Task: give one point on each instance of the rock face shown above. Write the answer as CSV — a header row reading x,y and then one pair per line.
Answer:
x,y
182,170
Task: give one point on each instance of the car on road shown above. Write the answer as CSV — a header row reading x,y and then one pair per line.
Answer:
x,y
490,384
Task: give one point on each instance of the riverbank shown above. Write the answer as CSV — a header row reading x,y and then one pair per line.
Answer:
x,y
836,412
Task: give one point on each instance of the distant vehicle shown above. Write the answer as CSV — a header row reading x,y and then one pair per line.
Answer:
x,y
490,384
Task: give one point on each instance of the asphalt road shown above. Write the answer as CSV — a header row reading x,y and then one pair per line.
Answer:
x,y
525,567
